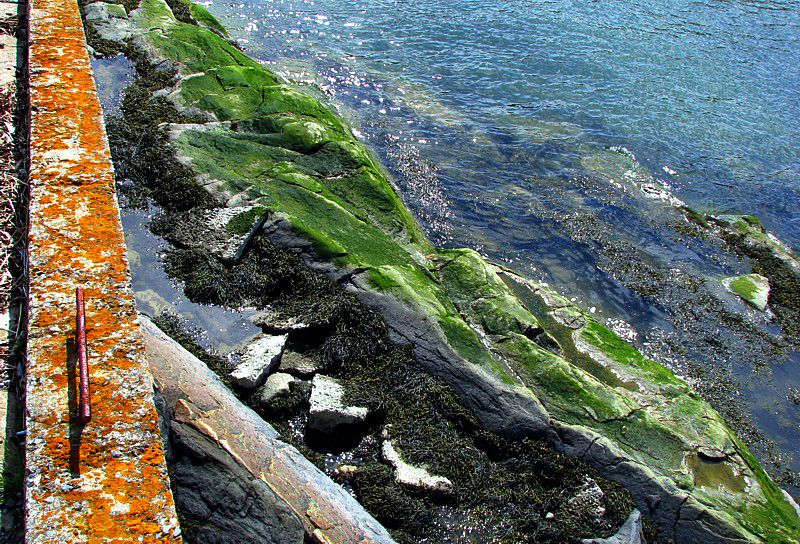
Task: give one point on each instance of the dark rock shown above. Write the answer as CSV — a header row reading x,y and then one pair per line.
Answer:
x,y
297,363
219,500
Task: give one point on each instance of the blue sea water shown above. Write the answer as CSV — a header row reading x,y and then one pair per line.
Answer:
x,y
509,105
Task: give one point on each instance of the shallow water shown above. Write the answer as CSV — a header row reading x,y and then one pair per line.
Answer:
x,y
526,129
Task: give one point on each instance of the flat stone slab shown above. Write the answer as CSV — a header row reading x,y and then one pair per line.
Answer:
x,y
106,480
260,357
224,232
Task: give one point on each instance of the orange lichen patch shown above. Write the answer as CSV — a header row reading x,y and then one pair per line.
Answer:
x,y
105,481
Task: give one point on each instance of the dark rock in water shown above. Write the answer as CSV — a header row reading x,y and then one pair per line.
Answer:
x,y
543,339
219,500
328,410
297,363
260,357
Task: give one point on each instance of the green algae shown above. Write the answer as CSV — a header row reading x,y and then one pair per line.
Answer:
x,y
624,354
564,335
744,287
192,48
242,224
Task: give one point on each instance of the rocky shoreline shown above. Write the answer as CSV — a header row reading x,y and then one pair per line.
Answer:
x,y
273,204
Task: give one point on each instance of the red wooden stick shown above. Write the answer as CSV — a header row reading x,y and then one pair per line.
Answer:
x,y
85,409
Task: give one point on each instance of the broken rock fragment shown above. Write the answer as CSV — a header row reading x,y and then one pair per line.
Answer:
x,y
412,476
328,409
260,357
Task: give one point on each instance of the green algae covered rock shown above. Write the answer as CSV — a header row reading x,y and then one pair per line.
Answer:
x,y
753,288
525,359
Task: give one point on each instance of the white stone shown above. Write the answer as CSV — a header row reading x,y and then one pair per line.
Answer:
x,y
411,476
327,408
277,385
259,359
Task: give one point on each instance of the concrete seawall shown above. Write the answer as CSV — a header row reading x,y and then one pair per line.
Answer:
x,y
105,481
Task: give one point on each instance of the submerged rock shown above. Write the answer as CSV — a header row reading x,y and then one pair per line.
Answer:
x,y
260,357
328,410
752,288
297,363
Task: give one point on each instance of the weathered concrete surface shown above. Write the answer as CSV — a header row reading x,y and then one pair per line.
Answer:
x,y
105,481
198,401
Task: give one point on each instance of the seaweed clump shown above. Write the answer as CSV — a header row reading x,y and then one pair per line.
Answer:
x,y
144,162
784,296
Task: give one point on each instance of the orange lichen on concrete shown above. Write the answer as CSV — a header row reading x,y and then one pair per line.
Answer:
x,y
105,481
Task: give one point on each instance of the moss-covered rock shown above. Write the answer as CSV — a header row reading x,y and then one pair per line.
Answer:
x,y
752,288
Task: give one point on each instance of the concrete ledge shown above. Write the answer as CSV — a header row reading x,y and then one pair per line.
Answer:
x,y
105,481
